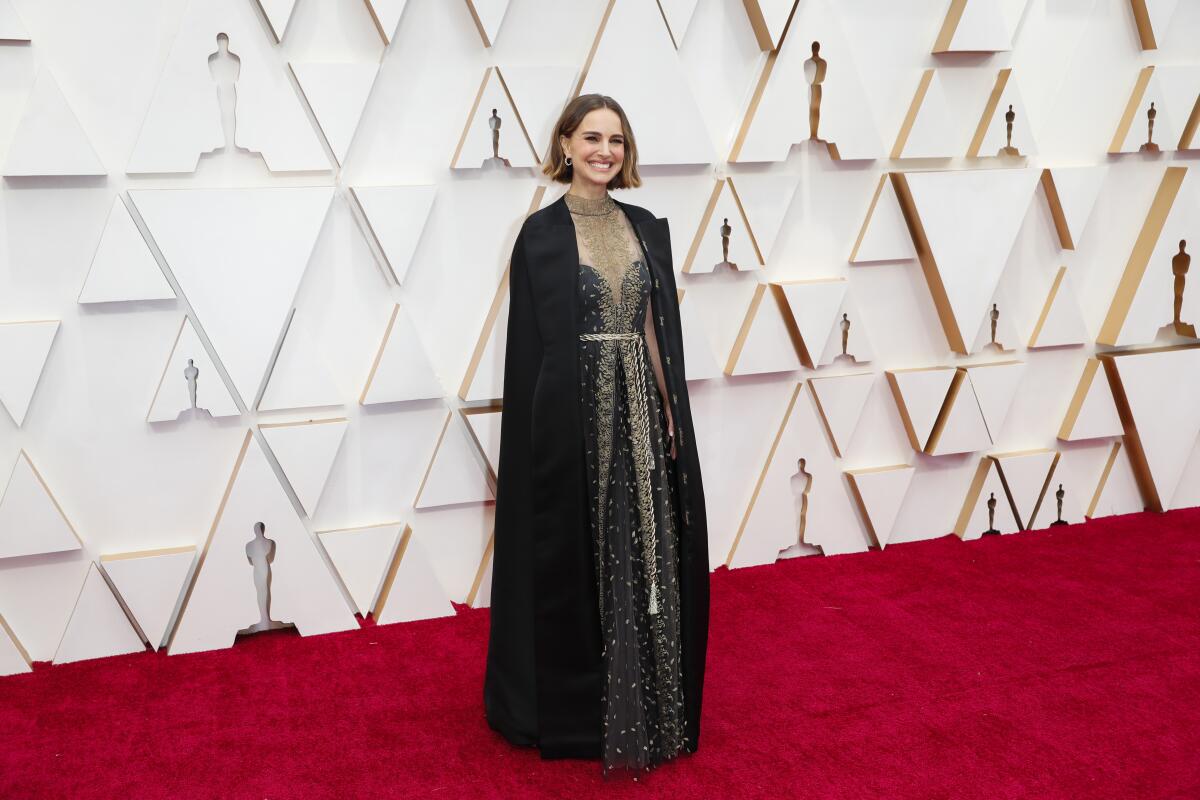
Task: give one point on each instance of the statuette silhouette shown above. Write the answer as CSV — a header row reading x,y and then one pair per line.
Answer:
x,y
845,326
814,72
1010,116
496,161
1150,146
1059,495
991,507
995,317
1179,267
801,486
260,552
726,232
191,374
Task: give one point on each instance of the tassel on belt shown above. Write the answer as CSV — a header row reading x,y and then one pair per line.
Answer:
x,y
633,360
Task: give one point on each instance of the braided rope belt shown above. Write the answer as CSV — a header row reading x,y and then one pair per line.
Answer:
x,y
633,360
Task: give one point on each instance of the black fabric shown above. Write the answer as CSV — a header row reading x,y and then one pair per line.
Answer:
x,y
544,669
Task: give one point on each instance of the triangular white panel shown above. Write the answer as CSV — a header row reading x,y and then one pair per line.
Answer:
x,y
486,382
336,92
238,255
773,15
979,28
1161,388
701,362
848,323
763,343
765,198
539,93
123,267
1061,322
1134,129
1092,413
986,489
386,14
1117,491
14,659
151,586
277,12
98,627
362,556
475,145
884,234
636,62
49,139
930,127
781,116
920,394
31,521
995,386
1076,190
970,220
12,29
401,370
488,15
841,400
413,590
963,429
786,504
992,137
172,396
306,451
302,375
1152,18
880,492
815,305
708,250
185,117
24,348
456,473
484,425
396,216
1075,497
223,599
1025,475
678,14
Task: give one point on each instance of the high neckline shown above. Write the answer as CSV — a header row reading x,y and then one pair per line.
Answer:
x,y
590,207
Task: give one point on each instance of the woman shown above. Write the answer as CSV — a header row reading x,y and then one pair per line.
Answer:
x,y
600,567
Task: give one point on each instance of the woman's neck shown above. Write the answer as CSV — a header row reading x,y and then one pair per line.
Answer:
x,y
589,191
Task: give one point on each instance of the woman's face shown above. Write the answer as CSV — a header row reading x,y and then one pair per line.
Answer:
x,y
596,148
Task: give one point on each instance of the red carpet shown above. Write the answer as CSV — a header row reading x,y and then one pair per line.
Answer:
x,y
1053,664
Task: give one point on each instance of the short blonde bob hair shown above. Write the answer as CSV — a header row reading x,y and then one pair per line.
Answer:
x,y
570,118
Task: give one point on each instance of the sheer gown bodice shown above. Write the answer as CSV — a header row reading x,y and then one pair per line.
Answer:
x,y
631,493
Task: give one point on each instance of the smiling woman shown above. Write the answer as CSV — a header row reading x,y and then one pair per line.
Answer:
x,y
600,572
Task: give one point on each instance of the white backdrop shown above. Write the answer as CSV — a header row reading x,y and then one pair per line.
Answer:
x,y
290,283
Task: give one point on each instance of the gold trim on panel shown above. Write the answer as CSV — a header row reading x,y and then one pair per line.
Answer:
x,y
973,490
1141,19
759,89
760,291
898,395
989,111
1081,392
17,642
851,475
386,590
705,218
1012,500
1131,107
436,449
195,576
49,493
494,407
1139,257
762,476
587,64
1112,459
789,321
1041,321
387,334
949,26
737,199
933,277
161,551
911,117
1065,240
1188,137
483,564
862,232
939,424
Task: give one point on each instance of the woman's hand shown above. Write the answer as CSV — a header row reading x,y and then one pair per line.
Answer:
x,y
670,428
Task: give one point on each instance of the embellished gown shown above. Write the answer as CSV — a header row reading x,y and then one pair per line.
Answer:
x,y
631,494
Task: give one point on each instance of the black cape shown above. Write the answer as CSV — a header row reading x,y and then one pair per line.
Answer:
x,y
544,669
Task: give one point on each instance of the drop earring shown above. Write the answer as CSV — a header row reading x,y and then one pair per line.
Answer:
x,y
568,162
